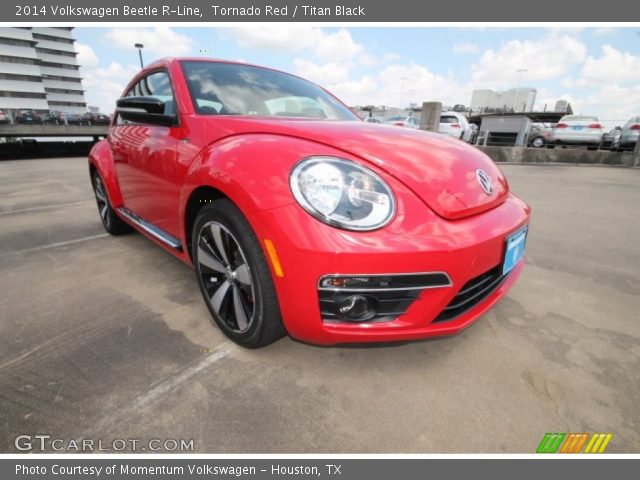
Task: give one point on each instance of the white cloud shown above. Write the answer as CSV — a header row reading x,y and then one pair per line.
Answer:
x,y
402,84
610,102
104,85
551,57
158,41
86,56
356,92
322,74
281,38
465,47
336,46
612,66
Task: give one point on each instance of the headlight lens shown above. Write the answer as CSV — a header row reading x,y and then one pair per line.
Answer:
x,y
342,193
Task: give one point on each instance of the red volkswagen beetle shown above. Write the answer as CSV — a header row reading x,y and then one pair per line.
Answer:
x,y
298,217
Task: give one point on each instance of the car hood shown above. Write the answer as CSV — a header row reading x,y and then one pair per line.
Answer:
x,y
438,169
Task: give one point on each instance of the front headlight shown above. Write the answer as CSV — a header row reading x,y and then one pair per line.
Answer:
x,y
342,193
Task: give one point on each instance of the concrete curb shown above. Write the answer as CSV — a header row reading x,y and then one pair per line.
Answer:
x,y
566,156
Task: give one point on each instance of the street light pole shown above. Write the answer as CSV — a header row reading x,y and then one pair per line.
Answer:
x,y
140,46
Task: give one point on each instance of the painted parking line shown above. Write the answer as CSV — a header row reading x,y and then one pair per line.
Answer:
x,y
44,207
55,245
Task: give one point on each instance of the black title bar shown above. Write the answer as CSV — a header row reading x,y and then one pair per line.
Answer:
x,y
300,11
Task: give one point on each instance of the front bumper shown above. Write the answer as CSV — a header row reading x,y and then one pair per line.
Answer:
x,y
419,242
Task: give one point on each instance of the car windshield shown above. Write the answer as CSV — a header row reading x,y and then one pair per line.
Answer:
x,y
396,119
218,88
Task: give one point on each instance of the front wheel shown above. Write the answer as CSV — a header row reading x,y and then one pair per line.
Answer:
x,y
234,277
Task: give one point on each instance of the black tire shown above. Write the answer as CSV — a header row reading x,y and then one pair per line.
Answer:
x,y
110,221
234,277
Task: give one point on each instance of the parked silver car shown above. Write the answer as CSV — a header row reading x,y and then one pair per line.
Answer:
x,y
577,130
630,135
539,134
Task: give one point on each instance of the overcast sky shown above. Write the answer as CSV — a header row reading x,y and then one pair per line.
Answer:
x,y
596,69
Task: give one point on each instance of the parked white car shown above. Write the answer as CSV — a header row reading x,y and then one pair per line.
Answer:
x,y
455,125
403,121
577,130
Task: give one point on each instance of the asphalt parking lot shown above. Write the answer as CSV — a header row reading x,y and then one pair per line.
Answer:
x,y
104,337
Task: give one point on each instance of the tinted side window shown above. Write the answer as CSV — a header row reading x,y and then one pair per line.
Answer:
x,y
156,85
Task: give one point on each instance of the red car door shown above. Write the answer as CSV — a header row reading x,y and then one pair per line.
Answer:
x,y
145,159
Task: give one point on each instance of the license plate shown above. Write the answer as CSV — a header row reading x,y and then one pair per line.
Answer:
x,y
515,250
577,128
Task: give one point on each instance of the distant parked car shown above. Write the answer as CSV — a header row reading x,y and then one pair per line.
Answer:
x,y
403,121
28,116
75,119
611,139
630,135
94,118
55,117
539,135
475,130
455,125
4,118
577,130
372,120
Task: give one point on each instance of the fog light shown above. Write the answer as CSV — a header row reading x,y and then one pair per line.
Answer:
x,y
357,308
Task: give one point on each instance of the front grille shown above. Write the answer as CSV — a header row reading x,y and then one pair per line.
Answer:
x,y
472,293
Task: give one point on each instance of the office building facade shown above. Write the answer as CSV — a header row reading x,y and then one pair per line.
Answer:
x,y
39,70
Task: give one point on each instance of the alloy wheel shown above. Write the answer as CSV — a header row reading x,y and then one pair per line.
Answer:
x,y
226,277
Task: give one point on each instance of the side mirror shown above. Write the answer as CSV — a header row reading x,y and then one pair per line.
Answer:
x,y
145,110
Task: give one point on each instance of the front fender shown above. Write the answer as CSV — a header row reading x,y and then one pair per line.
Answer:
x,y
101,159
252,170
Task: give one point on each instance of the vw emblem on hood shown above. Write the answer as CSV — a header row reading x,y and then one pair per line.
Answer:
x,y
485,181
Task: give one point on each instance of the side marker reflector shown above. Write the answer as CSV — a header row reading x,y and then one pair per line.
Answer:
x,y
273,256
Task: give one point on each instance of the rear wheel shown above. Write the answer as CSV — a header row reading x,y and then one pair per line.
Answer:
x,y
538,142
110,221
234,277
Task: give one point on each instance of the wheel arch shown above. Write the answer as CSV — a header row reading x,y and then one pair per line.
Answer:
x,y
199,197
250,170
101,160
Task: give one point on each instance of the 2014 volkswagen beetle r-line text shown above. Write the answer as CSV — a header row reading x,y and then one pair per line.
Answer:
x,y
298,217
